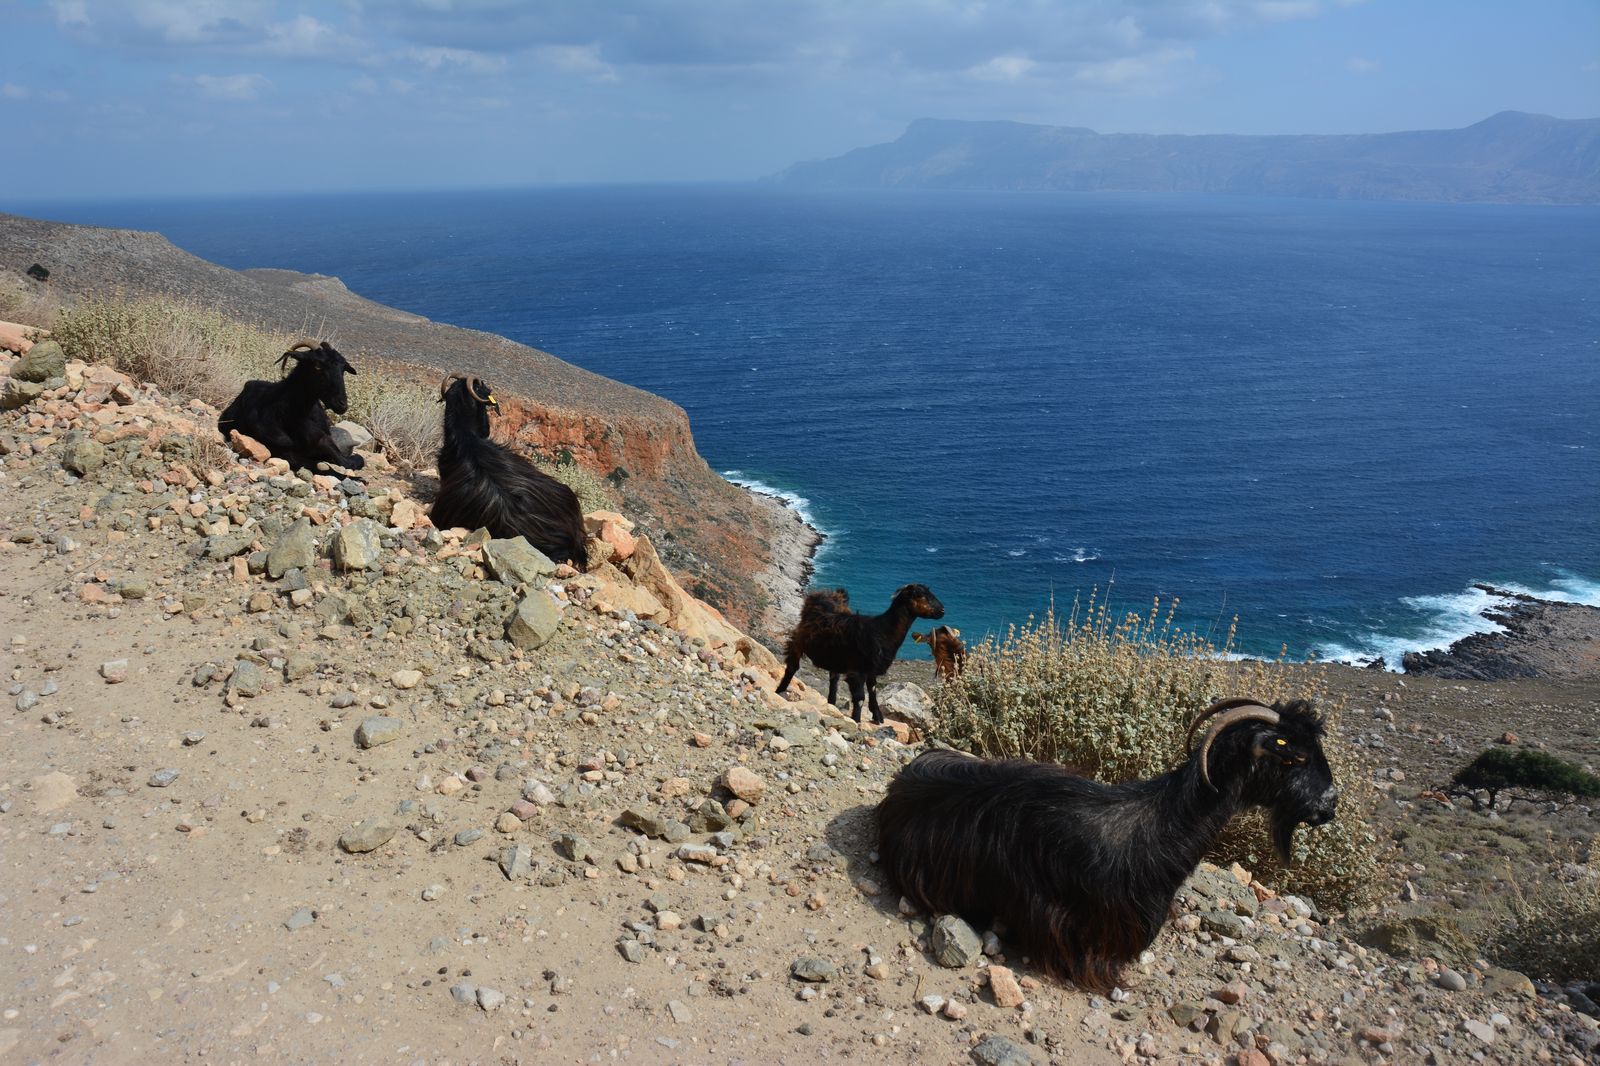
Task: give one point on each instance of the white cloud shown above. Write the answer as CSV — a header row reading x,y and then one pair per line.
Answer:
x,y
435,58
1360,65
227,86
583,60
9,91
1012,68
1132,71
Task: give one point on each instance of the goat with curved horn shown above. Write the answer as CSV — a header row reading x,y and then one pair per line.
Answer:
x,y
1083,873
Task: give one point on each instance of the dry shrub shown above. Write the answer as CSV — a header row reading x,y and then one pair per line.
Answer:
x,y
1114,698
594,494
25,301
1552,932
401,415
183,349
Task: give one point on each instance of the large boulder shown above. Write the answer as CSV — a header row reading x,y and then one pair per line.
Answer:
x,y
535,621
295,550
15,337
356,546
44,362
351,435
909,703
18,393
514,561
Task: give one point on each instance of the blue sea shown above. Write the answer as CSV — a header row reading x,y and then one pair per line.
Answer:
x,y
1325,418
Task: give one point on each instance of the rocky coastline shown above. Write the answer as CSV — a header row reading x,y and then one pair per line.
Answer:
x,y
791,560
1538,638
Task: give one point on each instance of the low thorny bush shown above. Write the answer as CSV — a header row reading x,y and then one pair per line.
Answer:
x,y
1113,698
1553,930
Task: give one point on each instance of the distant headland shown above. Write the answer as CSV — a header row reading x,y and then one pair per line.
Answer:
x,y
1511,157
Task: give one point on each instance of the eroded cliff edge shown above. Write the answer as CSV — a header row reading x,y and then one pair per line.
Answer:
x,y
727,546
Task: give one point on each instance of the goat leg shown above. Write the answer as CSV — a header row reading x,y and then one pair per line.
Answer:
x,y
788,674
872,700
833,689
857,691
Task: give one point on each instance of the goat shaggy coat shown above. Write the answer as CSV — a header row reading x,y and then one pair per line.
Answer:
x,y
1082,873
862,647
288,417
484,484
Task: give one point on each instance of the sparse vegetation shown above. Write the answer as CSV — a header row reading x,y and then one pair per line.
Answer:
x,y
1113,697
593,493
190,351
1553,932
1508,770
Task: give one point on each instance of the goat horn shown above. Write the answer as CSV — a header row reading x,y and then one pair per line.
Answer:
x,y
444,385
309,346
1231,712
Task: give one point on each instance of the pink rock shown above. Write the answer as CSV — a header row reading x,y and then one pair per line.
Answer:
x,y
248,447
1003,984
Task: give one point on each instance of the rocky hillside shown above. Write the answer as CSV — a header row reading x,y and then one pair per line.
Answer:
x,y
1511,157
289,775
735,548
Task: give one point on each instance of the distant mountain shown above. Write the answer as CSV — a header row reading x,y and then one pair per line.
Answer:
x,y
1511,157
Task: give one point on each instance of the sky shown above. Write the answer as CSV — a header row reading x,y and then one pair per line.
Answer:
x,y
145,98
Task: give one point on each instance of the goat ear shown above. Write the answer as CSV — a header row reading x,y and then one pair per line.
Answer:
x,y
920,638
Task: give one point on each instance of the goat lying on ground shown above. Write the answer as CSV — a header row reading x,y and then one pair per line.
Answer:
x,y
288,416
949,654
861,647
483,484
1083,873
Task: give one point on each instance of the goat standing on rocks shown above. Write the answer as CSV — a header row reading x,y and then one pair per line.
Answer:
x,y
287,416
949,654
484,484
1084,873
859,646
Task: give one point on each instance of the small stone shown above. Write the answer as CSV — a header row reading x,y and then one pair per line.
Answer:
x,y
954,943
247,679
432,892
1224,923
299,920
507,823
368,835
193,737
813,969
464,993
995,1050
534,622
1482,1030
357,546
490,999
115,671
573,846
744,784
468,836
954,1010
516,862
1451,981
406,679
379,730
163,778
1003,985
679,1012
631,950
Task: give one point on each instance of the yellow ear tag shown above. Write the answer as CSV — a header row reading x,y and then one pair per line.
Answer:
x,y
491,397
1282,743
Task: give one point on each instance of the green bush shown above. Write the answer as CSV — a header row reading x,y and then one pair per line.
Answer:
x,y
593,493
1113,698
1500,769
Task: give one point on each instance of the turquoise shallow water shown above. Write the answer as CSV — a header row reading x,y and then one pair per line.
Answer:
x,y
1326,418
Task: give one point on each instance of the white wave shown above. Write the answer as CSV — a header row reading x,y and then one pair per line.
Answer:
x,y
931,551
1450,617
792,500
1016,553
1079,555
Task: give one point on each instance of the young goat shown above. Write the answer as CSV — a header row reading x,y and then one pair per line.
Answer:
x,y
949,654
484,484
288,416
861,647
1083,873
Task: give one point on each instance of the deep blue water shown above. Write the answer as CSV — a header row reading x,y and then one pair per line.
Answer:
x,y
1326,418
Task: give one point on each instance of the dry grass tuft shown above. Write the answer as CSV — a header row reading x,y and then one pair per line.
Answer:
x,y
1552,932
1113,697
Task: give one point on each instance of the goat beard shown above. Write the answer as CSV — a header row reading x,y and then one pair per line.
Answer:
x,y
1283,827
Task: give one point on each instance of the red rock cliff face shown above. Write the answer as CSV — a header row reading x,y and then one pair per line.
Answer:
x,y
643,447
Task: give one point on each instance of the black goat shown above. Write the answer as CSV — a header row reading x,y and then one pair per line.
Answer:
x,y
1084,873
482,483
287,416
859,646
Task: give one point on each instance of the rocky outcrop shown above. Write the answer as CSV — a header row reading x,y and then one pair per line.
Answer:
x,y
1539,638
723,538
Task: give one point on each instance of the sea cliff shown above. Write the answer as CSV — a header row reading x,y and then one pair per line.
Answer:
x,y
733,549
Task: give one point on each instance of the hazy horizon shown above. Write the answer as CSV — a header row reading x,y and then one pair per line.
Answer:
x,y
217,98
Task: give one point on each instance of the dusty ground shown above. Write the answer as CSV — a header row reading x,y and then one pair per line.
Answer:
x,y
212,915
